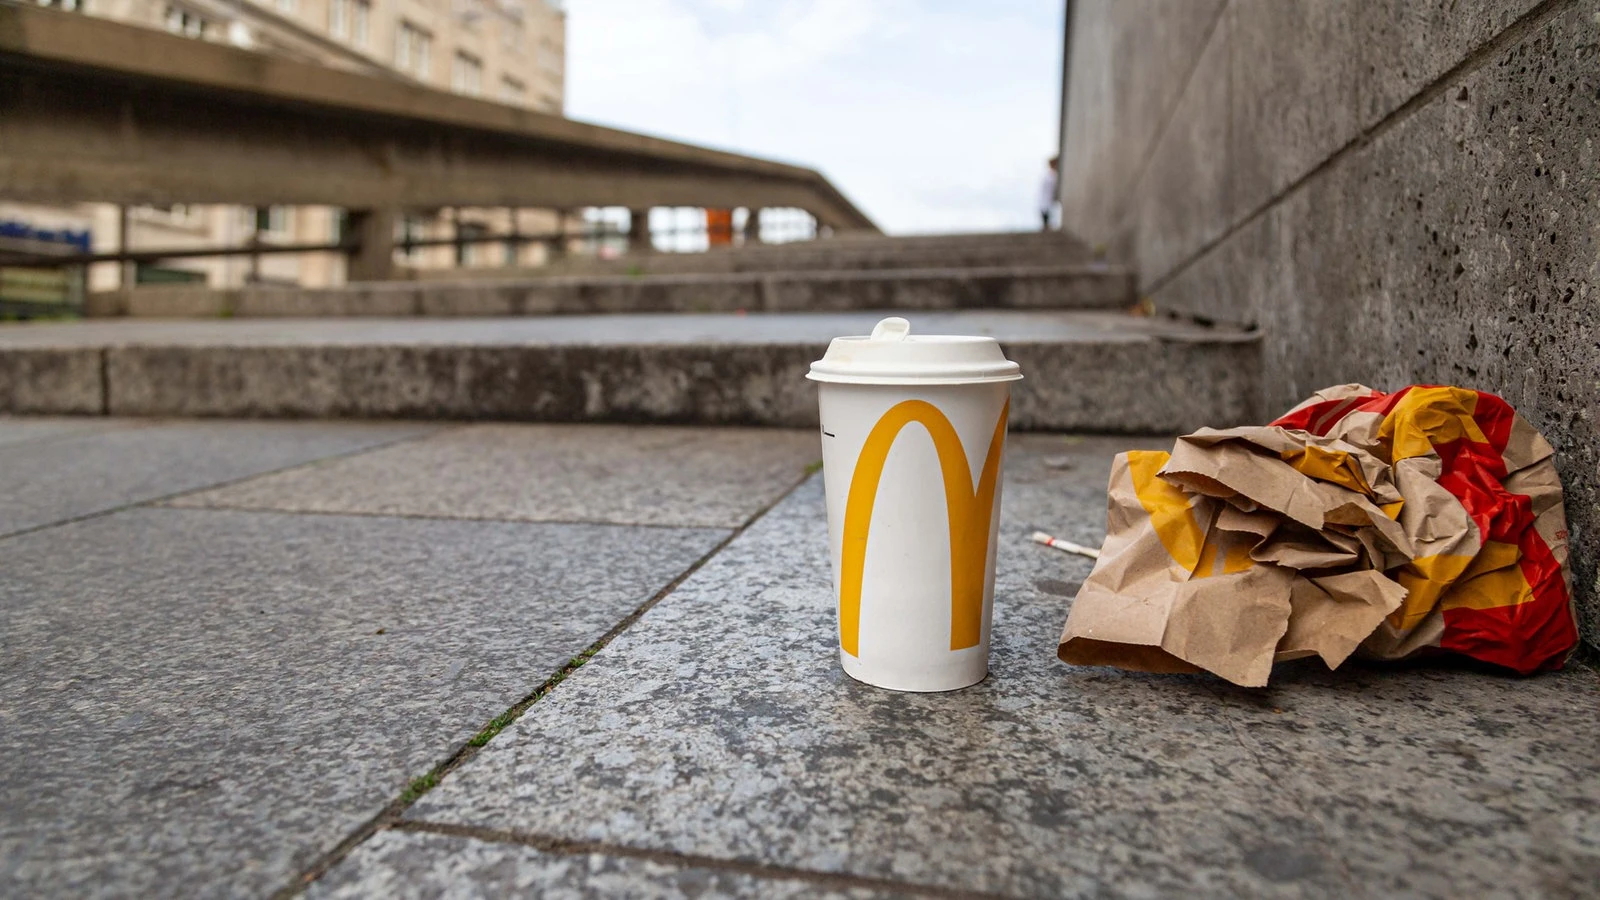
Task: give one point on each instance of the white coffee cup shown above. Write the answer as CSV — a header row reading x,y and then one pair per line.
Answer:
x,y
913,444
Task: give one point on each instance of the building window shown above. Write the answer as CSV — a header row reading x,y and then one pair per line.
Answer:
x,y
412,50
155,273
511,28
348,20
179,214
186,22
549,58
360,16
65,5
273,220
468,13
468,235
408,229
513,91
468,75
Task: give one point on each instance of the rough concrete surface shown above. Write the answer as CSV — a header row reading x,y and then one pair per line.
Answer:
x,y
934,286
1406,46
204,701
832,254
590,473
401,864
1095,371
22,430
1038,288
1291,96
722,727
45,379
359,299
1183,118
713,385
1007,326
165,301
75,473
1457,247
1308,78
1131,60
1135,387
1184,198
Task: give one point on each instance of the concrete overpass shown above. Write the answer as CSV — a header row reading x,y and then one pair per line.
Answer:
x,y
92,110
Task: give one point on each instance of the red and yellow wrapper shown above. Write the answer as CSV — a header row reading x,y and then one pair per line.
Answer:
x,y
1425,520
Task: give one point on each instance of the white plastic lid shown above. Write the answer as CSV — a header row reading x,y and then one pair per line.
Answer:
x,y
893,355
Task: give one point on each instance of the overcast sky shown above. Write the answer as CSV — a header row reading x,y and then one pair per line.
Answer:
x,y
931,115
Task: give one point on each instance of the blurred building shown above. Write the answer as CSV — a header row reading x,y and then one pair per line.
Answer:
x,y
506,51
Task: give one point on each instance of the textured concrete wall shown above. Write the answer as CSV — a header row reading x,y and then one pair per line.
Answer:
x,y
1130,60
1394,192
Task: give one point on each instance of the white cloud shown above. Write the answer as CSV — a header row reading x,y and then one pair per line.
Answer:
x,y
930,115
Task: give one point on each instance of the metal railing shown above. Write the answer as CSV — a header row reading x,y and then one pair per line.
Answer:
x,y
37,278
784,227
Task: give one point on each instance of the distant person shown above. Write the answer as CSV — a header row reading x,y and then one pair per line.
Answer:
x,y
1047,192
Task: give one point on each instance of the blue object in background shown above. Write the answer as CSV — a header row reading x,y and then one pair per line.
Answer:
x,y
12,228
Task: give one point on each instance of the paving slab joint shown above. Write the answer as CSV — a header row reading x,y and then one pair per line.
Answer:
x,y
566,847
166,499
419,786
105,381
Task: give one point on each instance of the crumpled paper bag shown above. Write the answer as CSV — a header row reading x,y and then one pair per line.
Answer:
x,y
1428,519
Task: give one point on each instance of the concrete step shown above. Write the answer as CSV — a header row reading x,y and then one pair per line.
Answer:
x,y
1094,286
863,238
934,251
1085,371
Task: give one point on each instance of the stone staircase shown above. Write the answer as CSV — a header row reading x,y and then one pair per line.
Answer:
x,y
714,338
1072,286
845,252
1004,271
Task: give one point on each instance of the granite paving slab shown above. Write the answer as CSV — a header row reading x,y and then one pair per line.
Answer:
x,y
28,429
720,725
401,865
1442,782
71,475
716,477
204,702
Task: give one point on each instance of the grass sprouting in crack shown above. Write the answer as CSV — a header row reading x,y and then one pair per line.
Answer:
x,y
428,782
498,723
419,786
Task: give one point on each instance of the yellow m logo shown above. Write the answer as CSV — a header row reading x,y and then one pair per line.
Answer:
x,y
969,510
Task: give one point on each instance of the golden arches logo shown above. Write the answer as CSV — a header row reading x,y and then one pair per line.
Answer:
x,y
969,509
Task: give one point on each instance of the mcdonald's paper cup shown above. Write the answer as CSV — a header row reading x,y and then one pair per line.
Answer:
x,y
913,436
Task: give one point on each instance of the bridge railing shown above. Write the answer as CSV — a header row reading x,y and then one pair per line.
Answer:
x,y
98,111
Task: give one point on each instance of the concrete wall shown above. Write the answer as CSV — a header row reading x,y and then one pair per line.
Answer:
x,y
1395,192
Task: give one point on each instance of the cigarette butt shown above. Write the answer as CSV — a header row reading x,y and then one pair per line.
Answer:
x,y
1068,546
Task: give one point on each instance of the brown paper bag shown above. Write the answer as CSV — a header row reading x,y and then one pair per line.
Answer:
x,y
1386,524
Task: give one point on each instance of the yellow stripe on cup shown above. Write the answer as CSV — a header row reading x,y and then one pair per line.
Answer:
x,y
969,512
